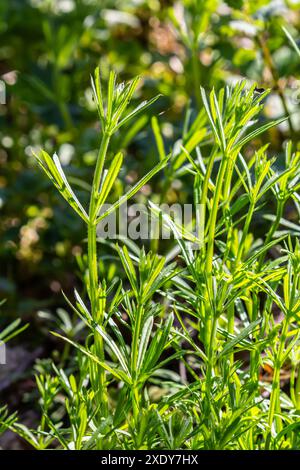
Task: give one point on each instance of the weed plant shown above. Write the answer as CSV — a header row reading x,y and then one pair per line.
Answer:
x,y
198,349
7,334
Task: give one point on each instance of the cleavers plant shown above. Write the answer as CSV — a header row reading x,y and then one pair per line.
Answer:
x,y
192,350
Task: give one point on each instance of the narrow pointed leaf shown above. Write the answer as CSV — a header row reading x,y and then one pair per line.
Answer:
x,y
109,179
134,189
240,337
140,108
254,134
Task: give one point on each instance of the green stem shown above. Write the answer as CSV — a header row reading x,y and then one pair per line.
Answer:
x,y
212,223
134,359
98,173
226,195
209,322
230,328
98,377
245,233
275,393
210,356
273,228
229,173
135,404
42,429
135,338
254,355
204,194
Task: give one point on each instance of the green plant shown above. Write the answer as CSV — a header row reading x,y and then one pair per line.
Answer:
x,y
113,114
212,311
230,289
12,330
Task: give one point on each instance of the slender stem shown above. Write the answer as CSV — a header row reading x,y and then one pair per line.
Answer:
x,y
42,429
245,233
205,184
92,244
226,195
275,393
229,173
204,201
98,377
135,404
230,328
254,355
273,228
210,356
136,336
98,173
210,323
212,222
134,359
